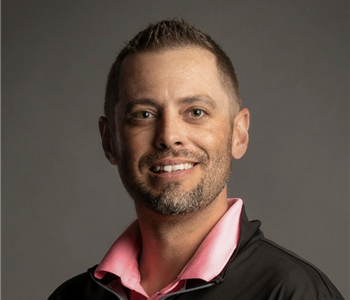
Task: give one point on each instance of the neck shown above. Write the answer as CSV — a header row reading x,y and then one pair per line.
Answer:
x,y
169,242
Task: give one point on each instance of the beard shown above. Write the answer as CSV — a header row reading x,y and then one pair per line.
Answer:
x,y
173,199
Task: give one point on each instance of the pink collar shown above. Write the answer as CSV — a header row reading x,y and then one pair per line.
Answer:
x,y
208,261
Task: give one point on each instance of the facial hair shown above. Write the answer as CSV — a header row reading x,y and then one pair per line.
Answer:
x,y
173,199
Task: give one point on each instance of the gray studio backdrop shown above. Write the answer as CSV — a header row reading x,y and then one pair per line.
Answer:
x,y
63,205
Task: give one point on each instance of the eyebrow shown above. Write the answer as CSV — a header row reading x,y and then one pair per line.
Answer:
x,y
199,98
185,100
133,102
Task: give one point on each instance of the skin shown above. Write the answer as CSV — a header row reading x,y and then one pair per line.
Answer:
x,y
173,109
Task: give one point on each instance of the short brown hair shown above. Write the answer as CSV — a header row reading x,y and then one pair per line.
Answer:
x,y
171,34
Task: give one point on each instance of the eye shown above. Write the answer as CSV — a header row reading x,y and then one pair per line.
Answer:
x,y
144,115
197,113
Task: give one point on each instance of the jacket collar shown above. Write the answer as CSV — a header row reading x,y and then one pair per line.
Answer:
x,y
249,233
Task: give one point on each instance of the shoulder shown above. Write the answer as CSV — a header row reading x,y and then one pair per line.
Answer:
x,y
275,270
290,266
80,287
74,288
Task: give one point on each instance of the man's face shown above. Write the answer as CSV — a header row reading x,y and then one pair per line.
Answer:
x,y
172,130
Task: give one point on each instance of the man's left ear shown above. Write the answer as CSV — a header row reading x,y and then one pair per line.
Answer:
x,y
240,137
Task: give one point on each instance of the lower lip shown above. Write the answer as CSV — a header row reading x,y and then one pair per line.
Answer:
x,y
172,175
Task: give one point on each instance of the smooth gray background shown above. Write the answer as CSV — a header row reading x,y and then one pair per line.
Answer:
x,y
64,205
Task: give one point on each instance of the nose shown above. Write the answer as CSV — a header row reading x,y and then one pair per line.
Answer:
x,y
170,133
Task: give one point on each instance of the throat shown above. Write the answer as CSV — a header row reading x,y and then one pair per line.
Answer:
x,y
170,241
161,263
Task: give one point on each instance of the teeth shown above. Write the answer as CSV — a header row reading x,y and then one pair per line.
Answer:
x,y
178,167
167,168
172,168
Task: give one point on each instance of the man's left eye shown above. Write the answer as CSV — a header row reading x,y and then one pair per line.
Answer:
x,y
197,113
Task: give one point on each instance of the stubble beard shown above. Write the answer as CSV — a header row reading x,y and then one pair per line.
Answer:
x,y
173,199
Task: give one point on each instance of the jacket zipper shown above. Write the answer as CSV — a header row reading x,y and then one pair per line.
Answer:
x,y
204,286
163,298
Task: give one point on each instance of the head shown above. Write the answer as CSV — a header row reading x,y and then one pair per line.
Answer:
x,y
172,34
172,123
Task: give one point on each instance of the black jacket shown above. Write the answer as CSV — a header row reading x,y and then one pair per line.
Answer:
x,y
259,269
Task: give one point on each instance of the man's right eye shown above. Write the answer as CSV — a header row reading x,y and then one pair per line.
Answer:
x,y
144,115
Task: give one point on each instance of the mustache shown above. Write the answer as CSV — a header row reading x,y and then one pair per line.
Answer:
x,y
149,160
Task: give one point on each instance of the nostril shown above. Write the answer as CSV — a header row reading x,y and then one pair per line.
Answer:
x,y
162,145
165,146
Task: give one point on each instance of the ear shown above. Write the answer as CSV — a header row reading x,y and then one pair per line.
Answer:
x,y
240,137
107,140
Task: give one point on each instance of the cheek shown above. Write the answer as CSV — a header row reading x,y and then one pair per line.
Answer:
x,y
212,140
133,144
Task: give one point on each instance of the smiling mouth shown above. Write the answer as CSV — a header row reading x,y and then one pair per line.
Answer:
x,y
172,168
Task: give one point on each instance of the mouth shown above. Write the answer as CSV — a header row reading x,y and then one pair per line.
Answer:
x,y
172,168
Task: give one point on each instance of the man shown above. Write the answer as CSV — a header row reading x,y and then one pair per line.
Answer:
x,y
173,121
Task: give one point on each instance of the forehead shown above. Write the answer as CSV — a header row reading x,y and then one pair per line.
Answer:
x,y
170,74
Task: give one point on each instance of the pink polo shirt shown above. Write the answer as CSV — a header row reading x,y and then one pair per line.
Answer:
x,y
208,261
